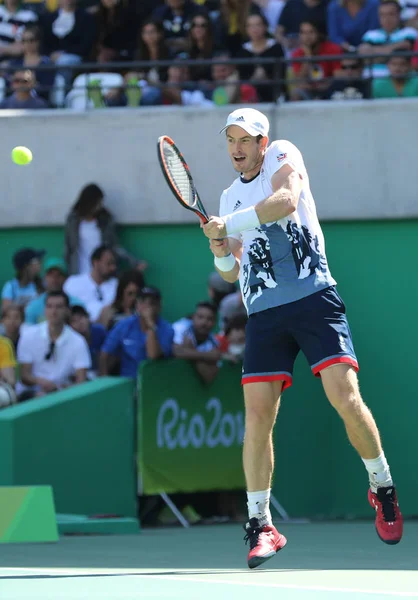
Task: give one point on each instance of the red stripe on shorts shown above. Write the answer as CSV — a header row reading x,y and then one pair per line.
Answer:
x,y
287,381
335,361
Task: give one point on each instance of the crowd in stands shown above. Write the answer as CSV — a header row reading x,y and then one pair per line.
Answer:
x,y
68,320
295,35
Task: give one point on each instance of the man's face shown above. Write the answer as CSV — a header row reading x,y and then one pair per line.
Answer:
x,y
244,150
22,81
150,307
203,321
56,310
12,320
221,72
80,323
106,265
399,67
54,280
351,68
390,17
178,74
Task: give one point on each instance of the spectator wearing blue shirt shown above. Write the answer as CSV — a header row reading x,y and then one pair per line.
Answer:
x,y
27,283
93,333
348,21
144,336
198,344
55,271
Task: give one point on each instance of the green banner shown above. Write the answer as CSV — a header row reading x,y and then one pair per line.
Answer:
x,y
190,434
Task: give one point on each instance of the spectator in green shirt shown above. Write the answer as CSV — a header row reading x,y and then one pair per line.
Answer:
x,y
401,83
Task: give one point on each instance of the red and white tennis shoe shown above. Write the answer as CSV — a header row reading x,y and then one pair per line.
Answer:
x,y
389,520
265,541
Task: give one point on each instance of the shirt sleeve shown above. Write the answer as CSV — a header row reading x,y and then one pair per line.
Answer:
x,y
32,312
333,23
113,341
224,209
7,291
82,358
7,354
166,339
282,153
25,347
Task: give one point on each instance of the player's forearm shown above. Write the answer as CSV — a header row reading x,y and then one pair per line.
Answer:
x,y
279,205
230,276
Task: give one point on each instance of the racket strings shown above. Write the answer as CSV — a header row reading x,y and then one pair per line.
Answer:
x,y
179,174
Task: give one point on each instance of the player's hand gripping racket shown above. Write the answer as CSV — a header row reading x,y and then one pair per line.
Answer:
x,y
177,174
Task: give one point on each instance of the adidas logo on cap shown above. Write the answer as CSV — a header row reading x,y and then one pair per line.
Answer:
x,y
240,119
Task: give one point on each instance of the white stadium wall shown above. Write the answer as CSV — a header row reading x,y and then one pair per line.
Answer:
x,y
361,157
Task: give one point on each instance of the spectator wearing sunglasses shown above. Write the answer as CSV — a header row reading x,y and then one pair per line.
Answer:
x,y
349,83
52,355
130,283
96,289
144,336
24,96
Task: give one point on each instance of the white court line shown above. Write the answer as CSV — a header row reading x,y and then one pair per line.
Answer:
x,y
287,586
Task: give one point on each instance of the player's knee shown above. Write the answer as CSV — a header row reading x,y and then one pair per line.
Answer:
x,y
346,399
259,417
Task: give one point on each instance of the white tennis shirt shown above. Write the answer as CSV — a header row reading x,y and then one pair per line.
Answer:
x,y
285,260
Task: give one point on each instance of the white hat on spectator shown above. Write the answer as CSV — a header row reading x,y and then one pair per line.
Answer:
x,y
251,120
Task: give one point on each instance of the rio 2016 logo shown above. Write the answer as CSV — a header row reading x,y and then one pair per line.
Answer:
x,y
177,429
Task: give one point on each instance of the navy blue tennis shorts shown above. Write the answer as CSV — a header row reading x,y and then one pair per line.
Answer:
x,y
316,324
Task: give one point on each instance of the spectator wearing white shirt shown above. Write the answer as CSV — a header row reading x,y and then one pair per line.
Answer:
x,y
89,224
52,356
13,19
96,289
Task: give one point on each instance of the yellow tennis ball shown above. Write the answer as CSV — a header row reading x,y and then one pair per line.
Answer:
x,y
21,155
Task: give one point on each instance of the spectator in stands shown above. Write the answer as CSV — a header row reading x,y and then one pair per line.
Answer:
x,y
93,333
27,283
312,79
294,13
201,46
7,362
143,86
13,19
401,83
348,21
52,355
232,341
390,37
55,275
198,344
89,224
124,305
233,21
349,83
24,96
32,58
69,35
225,88
260,46
229,307
179,88
117,26
96,289
176,17
271,11
12,319
144,336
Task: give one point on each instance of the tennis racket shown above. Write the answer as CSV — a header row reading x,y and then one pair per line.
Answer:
x,y
177,174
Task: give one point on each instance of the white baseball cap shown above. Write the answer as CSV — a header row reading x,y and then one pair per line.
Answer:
x,y
251,120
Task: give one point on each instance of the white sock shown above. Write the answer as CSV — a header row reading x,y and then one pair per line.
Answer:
x,y
379,472
259,505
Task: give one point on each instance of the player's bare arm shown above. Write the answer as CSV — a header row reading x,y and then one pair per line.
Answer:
x,y
287,186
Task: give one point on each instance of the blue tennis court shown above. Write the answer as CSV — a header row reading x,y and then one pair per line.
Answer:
x,y
320,561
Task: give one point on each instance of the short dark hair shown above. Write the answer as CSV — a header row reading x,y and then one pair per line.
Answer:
x,y
235,322
100,250
208,305
79,310
58,294
394,2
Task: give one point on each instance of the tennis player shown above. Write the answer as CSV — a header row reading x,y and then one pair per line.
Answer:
x,y
274,245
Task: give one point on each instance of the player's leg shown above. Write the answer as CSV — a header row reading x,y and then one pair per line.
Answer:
x,y
324,336
341,387
268,364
